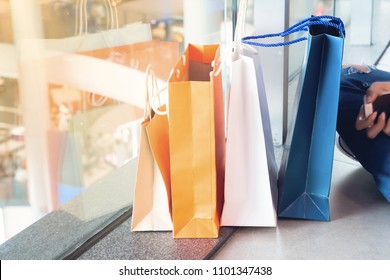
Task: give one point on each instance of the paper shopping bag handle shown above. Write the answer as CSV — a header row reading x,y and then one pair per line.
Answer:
x,y
303,25
240,26
153,94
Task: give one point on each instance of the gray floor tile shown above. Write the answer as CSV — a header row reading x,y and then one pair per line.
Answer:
x,y
358,228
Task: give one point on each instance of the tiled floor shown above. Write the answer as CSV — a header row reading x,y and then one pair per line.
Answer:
x,y
359,226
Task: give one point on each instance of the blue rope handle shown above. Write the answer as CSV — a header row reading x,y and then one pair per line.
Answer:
x,y
300,26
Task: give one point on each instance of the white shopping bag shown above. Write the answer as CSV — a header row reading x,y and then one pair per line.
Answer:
x,y
151,204
251,170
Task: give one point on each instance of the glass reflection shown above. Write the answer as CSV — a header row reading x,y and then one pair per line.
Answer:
x,y
72,93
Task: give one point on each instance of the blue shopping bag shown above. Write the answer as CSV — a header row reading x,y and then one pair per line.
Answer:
x,y
306,169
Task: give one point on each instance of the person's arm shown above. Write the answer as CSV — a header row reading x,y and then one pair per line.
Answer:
x,y
374,128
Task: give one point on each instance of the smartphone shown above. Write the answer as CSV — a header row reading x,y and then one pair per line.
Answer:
x,y
381,104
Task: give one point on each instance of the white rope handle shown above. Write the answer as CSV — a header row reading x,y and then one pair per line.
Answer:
x,y
153,95
96,102
240,26
81,29
81,26
157,109
149,74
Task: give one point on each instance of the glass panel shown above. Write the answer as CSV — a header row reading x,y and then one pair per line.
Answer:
x,y
264,17
299,10
367,29
72,91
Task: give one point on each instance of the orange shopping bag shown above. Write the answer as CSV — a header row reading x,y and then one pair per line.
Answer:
x,y
152,190
197,142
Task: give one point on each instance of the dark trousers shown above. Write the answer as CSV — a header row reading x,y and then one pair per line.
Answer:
x,y
373,154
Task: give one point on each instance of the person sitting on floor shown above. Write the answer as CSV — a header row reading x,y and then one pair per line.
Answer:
x,y
367,137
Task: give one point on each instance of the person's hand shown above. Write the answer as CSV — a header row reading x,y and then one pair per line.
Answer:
x,y
374,128
376,89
